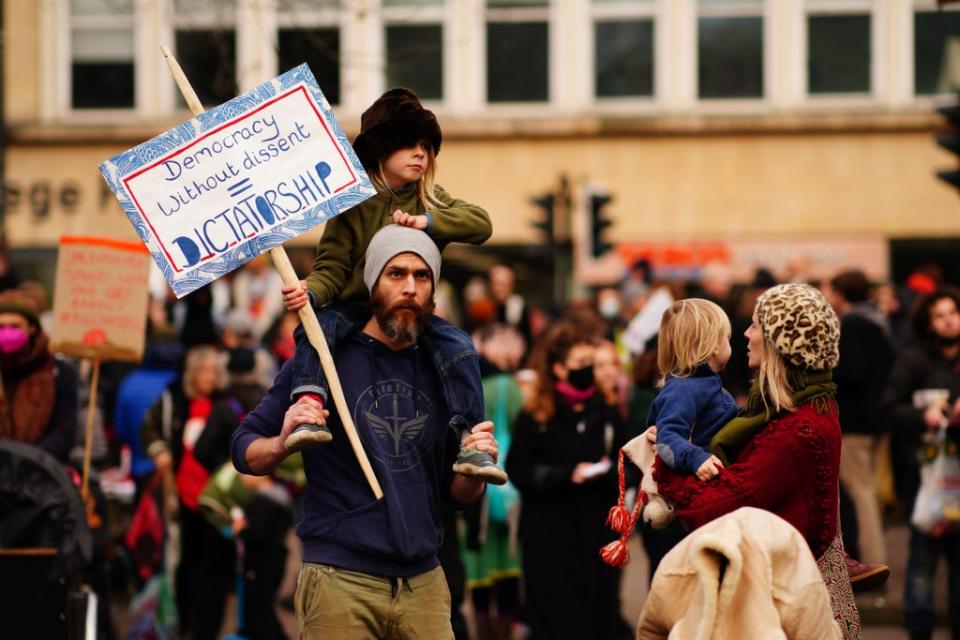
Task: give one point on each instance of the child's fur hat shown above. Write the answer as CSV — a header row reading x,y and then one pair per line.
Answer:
x,y
396,120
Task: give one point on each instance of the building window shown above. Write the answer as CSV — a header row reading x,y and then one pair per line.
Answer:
x,y
839,46
838,54
623,48
205,37
933,31
518,46
413,46
309,31
320,48
415,59
730,49
101,54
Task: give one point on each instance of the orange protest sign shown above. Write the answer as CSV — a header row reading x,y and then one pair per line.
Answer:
x,y
100,298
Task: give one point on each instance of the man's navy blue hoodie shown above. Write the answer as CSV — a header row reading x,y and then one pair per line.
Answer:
x,y
401,418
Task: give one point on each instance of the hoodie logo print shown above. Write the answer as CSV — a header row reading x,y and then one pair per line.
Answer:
x,y
396,427
398,421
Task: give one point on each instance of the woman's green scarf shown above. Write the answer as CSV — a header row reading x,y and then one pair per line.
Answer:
x,y
808,386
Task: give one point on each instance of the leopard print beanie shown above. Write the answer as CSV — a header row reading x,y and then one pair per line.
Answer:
x,y
801,325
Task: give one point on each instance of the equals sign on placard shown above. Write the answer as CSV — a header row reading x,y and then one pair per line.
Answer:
x,y
236,189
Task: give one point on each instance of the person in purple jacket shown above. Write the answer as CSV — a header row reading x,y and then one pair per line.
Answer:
x,y
370,566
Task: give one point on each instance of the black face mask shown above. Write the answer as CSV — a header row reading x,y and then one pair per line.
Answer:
x,y
948,342
581,378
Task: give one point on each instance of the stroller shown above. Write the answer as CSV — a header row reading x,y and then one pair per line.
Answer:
x,y
45,546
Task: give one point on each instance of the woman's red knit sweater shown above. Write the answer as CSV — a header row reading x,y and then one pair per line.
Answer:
x,y
790,468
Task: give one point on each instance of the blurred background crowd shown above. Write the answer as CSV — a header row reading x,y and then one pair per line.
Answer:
x,y
162,431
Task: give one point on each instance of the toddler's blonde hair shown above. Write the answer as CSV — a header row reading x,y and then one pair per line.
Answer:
x,y
690,331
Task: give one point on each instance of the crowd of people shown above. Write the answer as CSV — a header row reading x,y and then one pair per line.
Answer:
x,y
491,456
562,405
177,410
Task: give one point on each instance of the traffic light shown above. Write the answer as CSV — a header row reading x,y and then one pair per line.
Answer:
x,y
547,202
950,140
598,222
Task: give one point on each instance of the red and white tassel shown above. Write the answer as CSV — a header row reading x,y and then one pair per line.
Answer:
x,y
622,520
616,554
619,519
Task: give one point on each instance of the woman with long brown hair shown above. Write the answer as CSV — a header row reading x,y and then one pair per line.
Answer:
x,y
560,462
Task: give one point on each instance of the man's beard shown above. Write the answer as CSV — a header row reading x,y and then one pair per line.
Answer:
x,y
398,326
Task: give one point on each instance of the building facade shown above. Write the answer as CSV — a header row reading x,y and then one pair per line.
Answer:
x,y
740,129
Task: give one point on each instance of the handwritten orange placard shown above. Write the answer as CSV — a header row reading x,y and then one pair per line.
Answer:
x,y
100,298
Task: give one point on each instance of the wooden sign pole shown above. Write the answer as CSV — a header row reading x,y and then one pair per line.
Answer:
x,y
88,442
307,317
93,519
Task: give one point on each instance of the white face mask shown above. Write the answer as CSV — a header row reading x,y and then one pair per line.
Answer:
x,y
609,308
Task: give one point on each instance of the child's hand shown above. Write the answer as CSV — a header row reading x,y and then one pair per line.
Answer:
x,y
295,295
710,468
481,438
407,220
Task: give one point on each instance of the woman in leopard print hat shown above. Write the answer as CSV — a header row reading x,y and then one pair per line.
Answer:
x,y
800,335
782,453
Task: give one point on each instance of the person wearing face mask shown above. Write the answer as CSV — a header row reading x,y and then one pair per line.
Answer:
x,y
610,306
39,401
559,460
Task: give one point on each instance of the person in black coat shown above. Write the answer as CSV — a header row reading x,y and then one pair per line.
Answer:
x,y
866,357
560,462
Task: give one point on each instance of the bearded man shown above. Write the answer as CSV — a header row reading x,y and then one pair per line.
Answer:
x,y
370,566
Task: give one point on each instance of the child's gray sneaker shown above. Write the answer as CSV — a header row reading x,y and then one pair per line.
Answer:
x,y
473,462
307,436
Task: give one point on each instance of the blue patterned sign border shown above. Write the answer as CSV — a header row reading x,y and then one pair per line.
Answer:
x,y
121,167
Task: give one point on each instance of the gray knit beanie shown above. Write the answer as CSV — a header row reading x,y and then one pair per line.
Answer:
x,y
393,240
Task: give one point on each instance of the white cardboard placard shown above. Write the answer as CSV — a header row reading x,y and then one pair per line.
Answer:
x,y
235,181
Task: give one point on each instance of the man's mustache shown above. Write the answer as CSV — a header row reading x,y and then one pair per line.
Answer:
x,y
412,306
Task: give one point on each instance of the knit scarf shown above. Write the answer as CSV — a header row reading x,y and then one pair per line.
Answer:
x,y
808,386
29,391
571,394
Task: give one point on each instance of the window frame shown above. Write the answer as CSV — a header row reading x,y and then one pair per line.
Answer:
x,y
923,100
214,21
735,9
546,14
420,15
571,37
67,22
327,17
878,49
635,10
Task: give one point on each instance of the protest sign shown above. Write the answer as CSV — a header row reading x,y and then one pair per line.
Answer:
x,y
237,180
307,317
100,299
